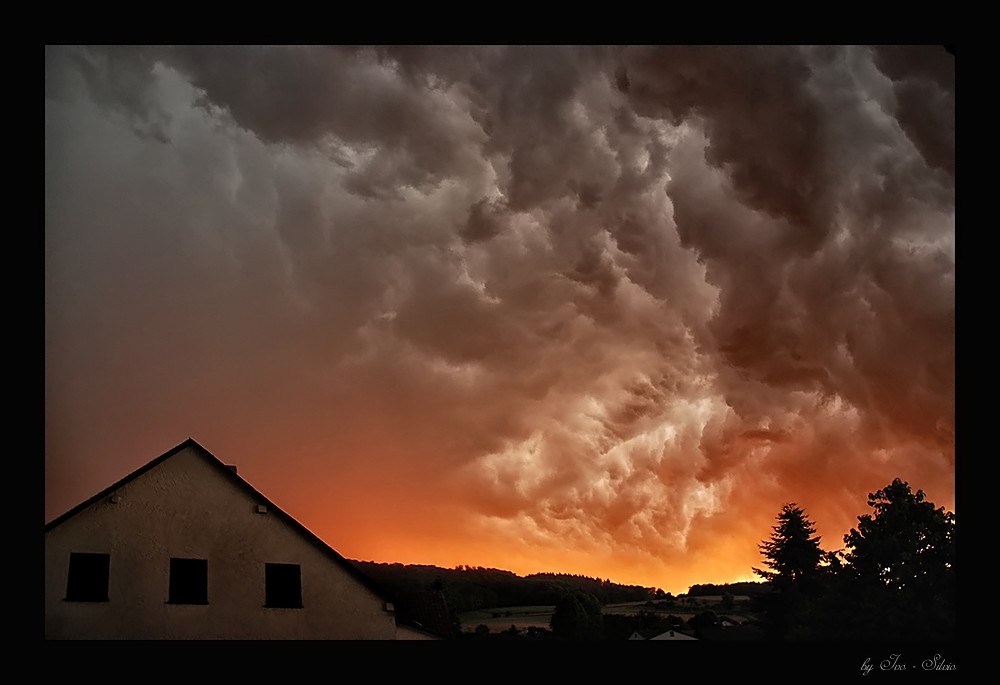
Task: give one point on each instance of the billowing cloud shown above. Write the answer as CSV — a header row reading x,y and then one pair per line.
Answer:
x,y
582,309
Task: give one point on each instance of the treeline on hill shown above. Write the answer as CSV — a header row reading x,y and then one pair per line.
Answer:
x,y
747,587
468,588
894,579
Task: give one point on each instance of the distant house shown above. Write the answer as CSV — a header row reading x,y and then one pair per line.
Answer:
x,y
184,548
642,634
673,635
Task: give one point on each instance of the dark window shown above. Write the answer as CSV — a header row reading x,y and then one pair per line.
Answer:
x,y
188,581
88,577
282,586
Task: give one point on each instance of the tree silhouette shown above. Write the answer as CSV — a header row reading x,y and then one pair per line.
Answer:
x,y
908,544
900,567
895,580
577,616
792,553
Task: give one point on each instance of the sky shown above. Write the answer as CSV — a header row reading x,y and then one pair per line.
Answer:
x,y
578,309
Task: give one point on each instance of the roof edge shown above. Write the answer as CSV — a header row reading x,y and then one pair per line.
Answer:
x,y
190,442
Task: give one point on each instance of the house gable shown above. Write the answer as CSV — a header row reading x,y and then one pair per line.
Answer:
x,y
186,504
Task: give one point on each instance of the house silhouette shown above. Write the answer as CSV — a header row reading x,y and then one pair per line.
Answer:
x,y
185,548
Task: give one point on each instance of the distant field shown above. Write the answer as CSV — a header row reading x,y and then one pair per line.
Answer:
x,y
630,608
625,608
718,598
501,618
498,619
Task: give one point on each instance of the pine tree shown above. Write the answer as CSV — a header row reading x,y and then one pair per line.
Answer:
x,y
792,553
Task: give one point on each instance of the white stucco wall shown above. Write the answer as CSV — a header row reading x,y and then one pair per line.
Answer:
x,y
184,507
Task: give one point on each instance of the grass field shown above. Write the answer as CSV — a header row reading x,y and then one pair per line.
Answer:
x,y
501,618
498,619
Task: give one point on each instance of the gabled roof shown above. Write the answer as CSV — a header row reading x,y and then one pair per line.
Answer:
x,y
673,634
643,634
229,473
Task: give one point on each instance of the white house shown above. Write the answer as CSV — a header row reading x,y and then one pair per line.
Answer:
x,y
184,548
673,635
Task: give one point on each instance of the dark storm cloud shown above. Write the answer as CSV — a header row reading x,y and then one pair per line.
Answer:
x,y
761,121
795,135
924,84
589,295
486,219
